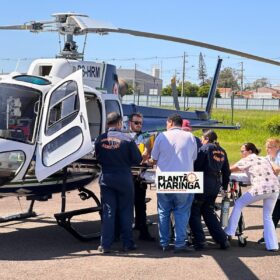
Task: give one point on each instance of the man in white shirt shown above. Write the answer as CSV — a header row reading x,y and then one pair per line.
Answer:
x,y
174,150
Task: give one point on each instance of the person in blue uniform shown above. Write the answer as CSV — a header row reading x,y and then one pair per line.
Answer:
x,y
116,152
212,160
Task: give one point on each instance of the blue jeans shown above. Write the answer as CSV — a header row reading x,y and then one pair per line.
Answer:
x,y
180,204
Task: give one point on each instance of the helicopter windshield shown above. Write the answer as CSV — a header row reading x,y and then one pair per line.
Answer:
x,y
18,112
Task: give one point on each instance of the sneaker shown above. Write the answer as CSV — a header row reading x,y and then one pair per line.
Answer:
x,y
273,250
261,241
183,249
225,245
103,250
130,248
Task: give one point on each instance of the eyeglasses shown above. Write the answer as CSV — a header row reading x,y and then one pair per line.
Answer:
x,y
242,151
137,123
270,147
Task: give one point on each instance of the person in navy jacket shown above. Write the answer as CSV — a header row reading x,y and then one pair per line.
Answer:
x,y
116,152
212,160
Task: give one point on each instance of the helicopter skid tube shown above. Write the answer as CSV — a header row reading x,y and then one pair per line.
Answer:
x,y
20,216
64,218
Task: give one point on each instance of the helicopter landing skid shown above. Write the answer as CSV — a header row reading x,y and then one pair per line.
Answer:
x,y
64,218
20,216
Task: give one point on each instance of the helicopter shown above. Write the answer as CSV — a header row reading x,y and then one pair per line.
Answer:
x,y
51,116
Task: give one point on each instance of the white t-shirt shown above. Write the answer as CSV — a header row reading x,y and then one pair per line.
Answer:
x,y
260,173
175,150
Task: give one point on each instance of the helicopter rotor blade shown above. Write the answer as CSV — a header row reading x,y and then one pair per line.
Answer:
x,y
86,24
196,43
33,26
77,24
15,27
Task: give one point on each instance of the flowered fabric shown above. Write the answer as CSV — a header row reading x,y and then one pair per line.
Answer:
x,y
260,174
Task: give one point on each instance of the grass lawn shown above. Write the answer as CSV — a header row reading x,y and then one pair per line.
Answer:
x,y
252,130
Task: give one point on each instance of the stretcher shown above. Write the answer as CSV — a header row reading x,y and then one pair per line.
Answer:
x,y
237,181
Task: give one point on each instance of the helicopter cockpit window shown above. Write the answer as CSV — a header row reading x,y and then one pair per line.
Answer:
x,y
32,80
64,107
112,106
10,165
18,112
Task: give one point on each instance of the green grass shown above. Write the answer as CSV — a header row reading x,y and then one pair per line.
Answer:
x,y
252,130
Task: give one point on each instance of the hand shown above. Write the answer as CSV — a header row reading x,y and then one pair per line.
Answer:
x,y
145,156
223,193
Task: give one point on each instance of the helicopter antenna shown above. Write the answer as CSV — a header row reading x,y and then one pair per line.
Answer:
x,y
17,65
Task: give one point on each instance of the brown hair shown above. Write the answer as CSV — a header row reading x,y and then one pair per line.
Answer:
x,y
139,115
251,147
211,136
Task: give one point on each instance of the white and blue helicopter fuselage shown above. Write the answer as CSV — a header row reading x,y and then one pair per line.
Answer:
x,y
50,118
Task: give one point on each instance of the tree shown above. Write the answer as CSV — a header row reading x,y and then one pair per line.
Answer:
x,y
189,89
204,90
202,72
166,91
228,79
263,82
130,90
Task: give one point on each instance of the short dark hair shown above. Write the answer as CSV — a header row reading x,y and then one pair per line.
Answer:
x,y
251,147
211,135
139,115
113,118
176,119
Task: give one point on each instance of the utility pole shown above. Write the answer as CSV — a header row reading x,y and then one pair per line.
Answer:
x,y
241,77
183,74
134,83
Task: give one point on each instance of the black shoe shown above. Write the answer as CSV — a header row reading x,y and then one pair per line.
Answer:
x,y
200,247
103,250
165,248
225,245
130,248
261,241
146,237
183,249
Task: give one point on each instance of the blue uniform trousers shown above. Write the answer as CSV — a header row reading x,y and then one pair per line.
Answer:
x,y
205,206
117,196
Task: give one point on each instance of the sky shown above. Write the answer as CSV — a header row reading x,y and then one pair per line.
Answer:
x,y
248,26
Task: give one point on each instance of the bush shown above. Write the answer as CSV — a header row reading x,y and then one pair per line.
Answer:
x,y
273,125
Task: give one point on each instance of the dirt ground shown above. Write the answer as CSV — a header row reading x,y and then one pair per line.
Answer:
x,y
37,248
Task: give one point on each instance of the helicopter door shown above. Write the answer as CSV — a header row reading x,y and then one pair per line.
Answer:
x,y
64,133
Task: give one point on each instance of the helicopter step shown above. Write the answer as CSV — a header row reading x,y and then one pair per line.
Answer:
x,y
64,218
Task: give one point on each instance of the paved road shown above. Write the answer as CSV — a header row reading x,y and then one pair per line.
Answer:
x,y
37,248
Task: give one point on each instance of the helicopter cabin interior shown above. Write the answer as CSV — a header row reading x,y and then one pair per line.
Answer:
x,y
94,112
